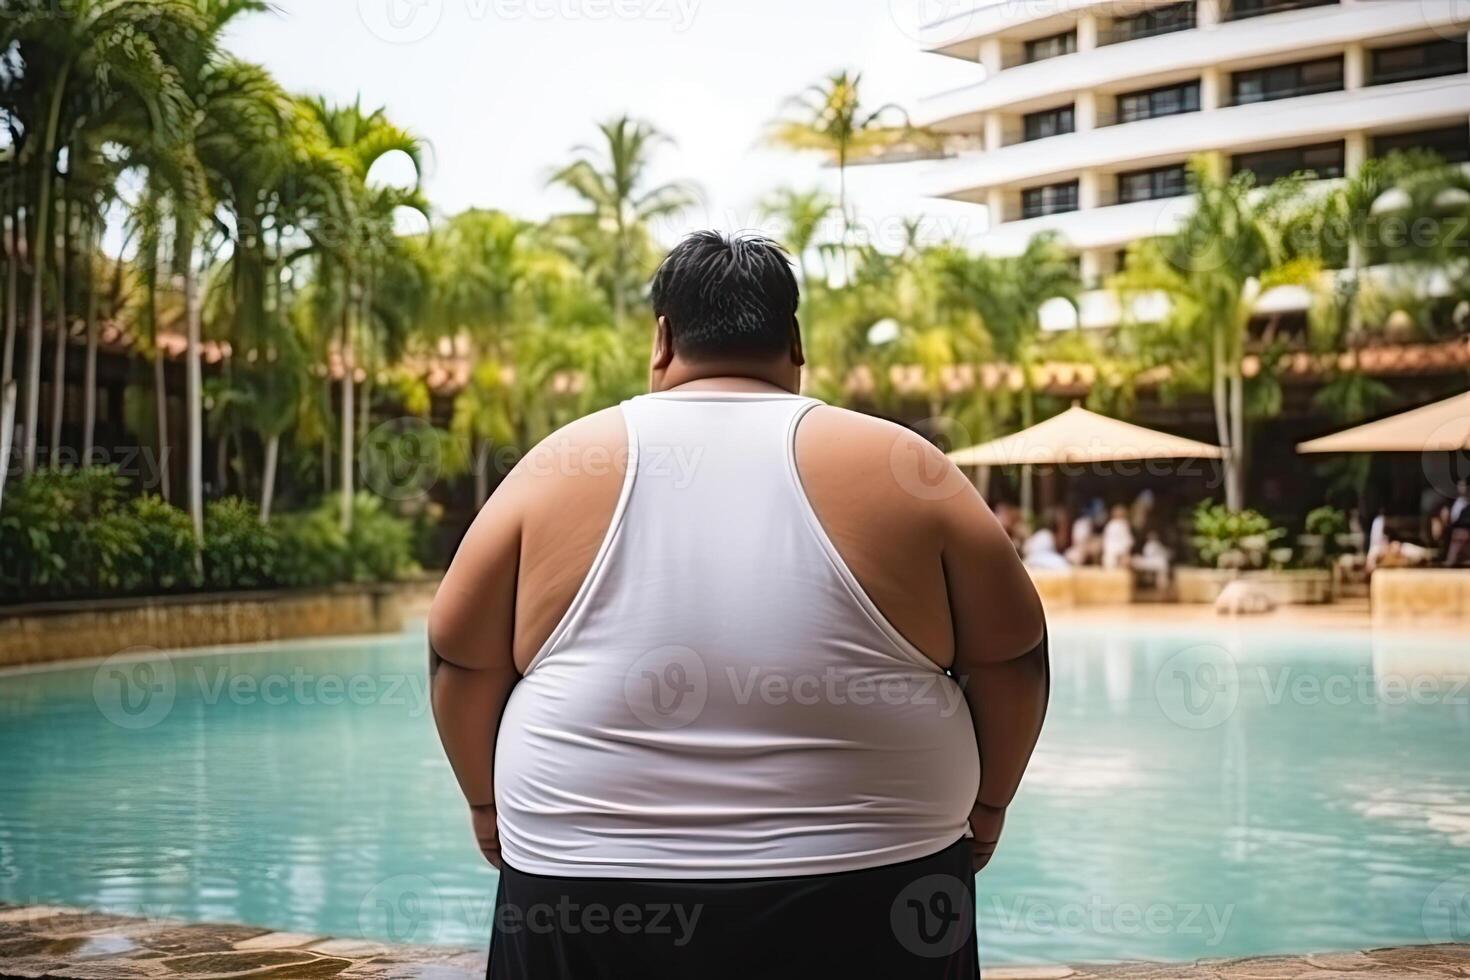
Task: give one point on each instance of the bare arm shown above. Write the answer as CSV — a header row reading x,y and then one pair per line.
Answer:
x,y
1000,655
471,664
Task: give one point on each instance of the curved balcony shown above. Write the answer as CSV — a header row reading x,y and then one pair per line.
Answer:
x,y
1289,122
1137,64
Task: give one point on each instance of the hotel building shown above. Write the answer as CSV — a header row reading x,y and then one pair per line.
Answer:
x,y
1086,111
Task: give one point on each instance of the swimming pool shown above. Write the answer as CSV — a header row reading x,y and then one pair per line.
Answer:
x,y
1196,794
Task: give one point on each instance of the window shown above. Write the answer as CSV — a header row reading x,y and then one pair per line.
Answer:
x,y
1452,143
1054,46
1326,160
1169,100
1052,122
1153,184
1051,199
1287,81
1241,9
1427,59
1160,20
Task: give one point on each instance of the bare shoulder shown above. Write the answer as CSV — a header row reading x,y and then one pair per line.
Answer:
x,y
590,451
893,466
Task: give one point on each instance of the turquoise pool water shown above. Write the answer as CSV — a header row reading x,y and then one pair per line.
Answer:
x,y
1196,794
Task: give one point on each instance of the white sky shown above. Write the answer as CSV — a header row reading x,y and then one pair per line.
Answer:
x,y
503,89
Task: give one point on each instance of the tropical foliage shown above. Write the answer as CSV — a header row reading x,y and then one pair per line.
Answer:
x,y
342,348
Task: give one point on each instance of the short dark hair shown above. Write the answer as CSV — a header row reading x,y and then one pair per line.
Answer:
x,y
727,296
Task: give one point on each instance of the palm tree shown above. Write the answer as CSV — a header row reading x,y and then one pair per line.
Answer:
x,y
361,139
829,117
100,46
612,181
801,215
485,265
1008,293
1212,274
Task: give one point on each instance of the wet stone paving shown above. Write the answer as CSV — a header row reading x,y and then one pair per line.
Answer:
x,y
72,944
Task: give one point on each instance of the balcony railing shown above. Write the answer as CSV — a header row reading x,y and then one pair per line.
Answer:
x,y
1165,20
1244,9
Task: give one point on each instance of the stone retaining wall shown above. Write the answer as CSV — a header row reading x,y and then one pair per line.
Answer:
x,y
1421,595
1083,586
71,944
55,631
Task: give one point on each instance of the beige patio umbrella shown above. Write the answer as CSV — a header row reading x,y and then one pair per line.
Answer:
x,y
1080,436
1440,427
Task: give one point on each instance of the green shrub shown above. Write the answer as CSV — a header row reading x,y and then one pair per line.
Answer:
x,y
166,547
55,539
313,550
381,544
239,552
1233,539
1328,522
71,534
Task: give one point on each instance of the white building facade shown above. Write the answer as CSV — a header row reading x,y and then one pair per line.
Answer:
x,y
1087,111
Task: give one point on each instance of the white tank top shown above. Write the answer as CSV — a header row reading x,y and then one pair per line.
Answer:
x,y
722,699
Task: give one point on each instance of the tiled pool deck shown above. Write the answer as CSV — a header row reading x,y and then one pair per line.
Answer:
x,y
70,944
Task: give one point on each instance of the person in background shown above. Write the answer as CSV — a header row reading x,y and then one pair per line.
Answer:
x,y
1141,512
1041,551
1154,561
1013,522
1378,542
1086,545
1117,540
1457,552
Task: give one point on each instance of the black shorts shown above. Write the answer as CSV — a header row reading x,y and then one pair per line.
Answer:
x,y
909,921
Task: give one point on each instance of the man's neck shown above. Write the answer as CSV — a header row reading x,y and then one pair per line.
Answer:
x,y
731,375
729,382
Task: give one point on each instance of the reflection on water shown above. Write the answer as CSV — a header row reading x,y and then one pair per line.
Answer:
x,y
1195,794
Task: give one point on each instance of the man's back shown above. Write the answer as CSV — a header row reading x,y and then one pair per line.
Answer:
x,y
721,660
884,496
726,649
